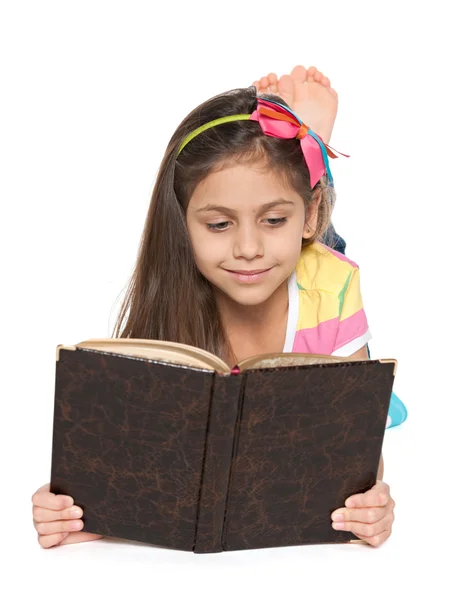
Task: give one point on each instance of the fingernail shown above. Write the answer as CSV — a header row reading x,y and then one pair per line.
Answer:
x,y
338,525
76,512
338,517
76,525
349,504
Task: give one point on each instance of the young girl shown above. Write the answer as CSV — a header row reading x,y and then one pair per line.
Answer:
x,y
230,261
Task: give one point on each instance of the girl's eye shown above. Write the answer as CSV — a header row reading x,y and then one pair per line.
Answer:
x,y
218,226
275,222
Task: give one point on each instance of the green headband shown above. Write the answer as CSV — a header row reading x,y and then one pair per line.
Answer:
x,y
206,126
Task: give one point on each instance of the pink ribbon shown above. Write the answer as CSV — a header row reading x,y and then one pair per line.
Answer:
x,y
278,122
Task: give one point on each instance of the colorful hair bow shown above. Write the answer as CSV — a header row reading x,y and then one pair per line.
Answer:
x,y
279,121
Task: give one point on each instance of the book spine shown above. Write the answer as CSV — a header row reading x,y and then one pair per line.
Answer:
x,y
223,413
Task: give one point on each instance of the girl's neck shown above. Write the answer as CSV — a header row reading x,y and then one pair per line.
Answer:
x,y
257,329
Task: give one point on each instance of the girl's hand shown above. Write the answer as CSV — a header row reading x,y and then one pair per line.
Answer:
x,y
57,520
369,516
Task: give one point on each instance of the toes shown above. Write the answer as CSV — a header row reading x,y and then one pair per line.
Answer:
x,y
299,74
311,73
299,79
273,83
263,84
286,89
318,76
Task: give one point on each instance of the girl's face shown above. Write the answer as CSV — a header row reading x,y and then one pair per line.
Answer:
x,y
246,230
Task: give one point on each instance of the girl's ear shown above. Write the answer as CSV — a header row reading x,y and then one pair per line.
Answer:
x,y
311,216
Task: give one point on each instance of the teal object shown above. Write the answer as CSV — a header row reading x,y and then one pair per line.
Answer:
x,y
397,411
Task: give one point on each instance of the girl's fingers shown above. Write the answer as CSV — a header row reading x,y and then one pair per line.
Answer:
x,y
45,499
47,541
379,495
365,530
378,539
362,515
44,515
48,529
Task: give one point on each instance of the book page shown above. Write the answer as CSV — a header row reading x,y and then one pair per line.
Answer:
x,y
172,352
268,361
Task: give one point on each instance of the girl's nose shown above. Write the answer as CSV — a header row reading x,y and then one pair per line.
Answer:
x,y
248,243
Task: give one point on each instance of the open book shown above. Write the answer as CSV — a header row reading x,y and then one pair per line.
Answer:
x,y
163,443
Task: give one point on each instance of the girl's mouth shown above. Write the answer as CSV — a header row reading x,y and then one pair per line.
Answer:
x,y
249,276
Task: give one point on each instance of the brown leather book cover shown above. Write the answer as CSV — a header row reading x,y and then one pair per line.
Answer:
x,y
188,459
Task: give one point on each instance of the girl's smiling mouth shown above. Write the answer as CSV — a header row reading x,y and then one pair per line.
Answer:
x,y
249,276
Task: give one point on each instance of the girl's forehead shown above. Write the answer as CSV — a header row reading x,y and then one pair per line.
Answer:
x,y
233,184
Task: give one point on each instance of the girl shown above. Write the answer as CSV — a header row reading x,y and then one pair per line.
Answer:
x,y
230,261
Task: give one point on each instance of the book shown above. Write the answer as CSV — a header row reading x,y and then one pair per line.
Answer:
x,y
163,443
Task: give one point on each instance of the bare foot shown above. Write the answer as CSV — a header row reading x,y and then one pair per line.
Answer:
x,y
309,94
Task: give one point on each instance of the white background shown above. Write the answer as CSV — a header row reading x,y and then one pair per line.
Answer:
x,y
83,88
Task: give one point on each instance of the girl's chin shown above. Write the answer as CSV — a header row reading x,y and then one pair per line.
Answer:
x,y
246,297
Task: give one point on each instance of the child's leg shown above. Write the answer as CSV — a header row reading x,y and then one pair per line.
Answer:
x,y
309,94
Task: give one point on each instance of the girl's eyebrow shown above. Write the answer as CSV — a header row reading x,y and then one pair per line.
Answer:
x,y
224,209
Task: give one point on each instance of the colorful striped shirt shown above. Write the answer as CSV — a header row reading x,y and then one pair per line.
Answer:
x,y
326,314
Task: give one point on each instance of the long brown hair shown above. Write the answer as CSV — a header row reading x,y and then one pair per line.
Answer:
x,y
167,297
